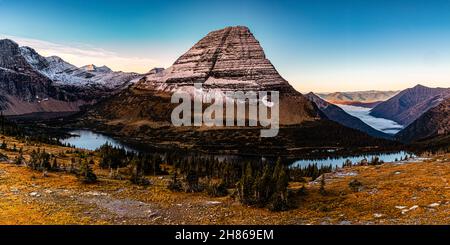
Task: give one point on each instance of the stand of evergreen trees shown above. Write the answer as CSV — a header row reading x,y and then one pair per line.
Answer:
x,y
140,164
29,133
266,186
311,170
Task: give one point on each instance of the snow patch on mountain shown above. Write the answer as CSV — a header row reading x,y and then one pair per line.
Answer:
x,y
64,73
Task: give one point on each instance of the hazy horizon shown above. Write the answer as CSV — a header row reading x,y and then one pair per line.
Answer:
x,y
320,46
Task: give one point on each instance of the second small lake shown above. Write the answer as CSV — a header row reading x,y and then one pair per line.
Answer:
x,y
338,161
86,139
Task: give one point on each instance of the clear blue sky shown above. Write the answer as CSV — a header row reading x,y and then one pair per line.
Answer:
x,y
316,45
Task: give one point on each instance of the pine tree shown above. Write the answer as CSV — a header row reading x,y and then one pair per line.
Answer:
x,y
55,165
245,185
174,184
322,185
135,170
137,173
2,122
86,174
19,159
45,160
91,162
281,180
72,165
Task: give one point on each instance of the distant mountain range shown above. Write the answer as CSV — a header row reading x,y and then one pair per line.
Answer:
x,y
369,98
32,83
410,104
337,114
63,73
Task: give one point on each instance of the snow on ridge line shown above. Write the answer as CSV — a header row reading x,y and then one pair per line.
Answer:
x,y
64,73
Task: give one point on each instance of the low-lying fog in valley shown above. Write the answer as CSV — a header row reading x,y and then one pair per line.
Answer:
x,y
381,124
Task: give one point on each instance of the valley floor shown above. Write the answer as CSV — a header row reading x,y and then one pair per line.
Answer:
x,y
393,193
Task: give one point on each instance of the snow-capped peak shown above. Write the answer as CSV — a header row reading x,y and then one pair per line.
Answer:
x,y
64,73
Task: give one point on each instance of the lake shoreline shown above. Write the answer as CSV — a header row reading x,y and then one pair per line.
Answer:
x,y
336,160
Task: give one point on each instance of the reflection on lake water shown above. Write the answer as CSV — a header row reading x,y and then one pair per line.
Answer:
x,y
338,161
86,139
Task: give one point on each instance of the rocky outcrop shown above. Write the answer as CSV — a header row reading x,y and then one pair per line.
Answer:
x,y
433,123
410,104
338,115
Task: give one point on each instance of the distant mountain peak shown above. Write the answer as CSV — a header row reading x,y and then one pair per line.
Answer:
x,y
94,68
419,86
8,42
155,70
411,103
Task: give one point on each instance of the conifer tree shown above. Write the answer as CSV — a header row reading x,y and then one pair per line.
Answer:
x,y
281,180
322,185
245,185
86,174
55,165
19,159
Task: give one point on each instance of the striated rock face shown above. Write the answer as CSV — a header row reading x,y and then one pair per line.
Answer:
x,y
433,123
229,59
410,104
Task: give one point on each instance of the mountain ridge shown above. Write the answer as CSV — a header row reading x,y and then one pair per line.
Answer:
x,y
33,83
410,104
432,124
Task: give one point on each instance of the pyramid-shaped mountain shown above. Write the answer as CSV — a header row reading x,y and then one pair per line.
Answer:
x,y
229,59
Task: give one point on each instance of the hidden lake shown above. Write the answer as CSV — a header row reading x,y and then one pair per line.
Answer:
x,y
90,140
